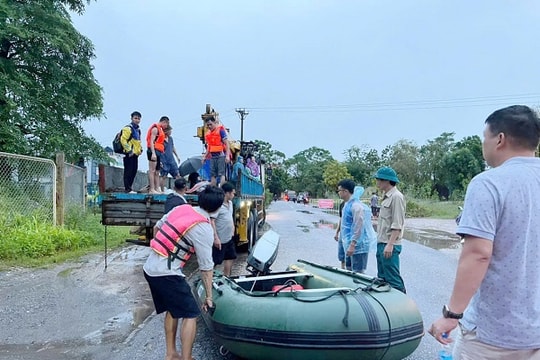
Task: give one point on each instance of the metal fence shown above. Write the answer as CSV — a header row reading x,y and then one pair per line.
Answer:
x,y
74,186
27,186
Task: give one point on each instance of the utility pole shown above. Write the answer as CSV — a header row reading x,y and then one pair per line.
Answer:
x,y
242,113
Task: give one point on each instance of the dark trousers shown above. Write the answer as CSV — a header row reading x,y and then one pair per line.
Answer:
x,y
131,165
388,269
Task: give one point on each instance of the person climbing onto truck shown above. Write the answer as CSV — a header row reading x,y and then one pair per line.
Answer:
x,y
155,141
177,235
217,149
176,198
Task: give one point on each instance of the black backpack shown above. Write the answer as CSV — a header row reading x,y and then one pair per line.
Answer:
x,y
117,145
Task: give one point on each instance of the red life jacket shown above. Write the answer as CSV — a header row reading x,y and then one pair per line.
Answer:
x,y
214,141
170,241
159,140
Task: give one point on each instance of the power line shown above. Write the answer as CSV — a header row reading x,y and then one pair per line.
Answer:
x,y
406,105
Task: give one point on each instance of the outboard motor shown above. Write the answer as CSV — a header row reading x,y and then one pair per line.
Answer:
x,y
263,254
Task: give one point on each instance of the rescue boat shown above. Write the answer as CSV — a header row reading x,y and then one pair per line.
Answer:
x,y
310,311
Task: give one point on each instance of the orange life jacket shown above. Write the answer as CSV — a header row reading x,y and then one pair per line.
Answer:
x,y
159,140
214,141
170,241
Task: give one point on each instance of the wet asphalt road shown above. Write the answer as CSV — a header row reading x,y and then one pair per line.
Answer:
x,y
306,233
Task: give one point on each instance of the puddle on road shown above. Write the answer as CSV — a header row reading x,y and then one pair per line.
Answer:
x,y
434,239
324,224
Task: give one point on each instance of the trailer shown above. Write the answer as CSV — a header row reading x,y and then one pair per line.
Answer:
x,y
143,210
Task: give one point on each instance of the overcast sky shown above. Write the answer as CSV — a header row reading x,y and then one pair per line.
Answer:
x,y
330,74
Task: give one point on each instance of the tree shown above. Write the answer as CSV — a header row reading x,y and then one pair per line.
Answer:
x,y
403,157
306,170
362,163
334,172
47,89
462,163
272,157
431,162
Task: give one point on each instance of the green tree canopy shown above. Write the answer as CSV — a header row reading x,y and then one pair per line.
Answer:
x,y
334,172
306,168
47,89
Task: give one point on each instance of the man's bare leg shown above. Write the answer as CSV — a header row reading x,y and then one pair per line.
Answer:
x,y
227,267
151,176
171,325
187,337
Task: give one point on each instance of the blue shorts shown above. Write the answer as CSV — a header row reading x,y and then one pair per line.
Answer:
x,y
173,294
340,250
357,262
168,168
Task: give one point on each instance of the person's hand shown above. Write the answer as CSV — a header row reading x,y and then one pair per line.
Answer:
x,y
208,304
388,250
153,157
441,326
350,250
336,237
217,242
227,159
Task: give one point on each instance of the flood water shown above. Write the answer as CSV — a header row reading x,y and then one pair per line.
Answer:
x,y
435,239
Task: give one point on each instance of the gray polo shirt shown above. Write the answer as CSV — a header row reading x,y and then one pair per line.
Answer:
x,y
502,205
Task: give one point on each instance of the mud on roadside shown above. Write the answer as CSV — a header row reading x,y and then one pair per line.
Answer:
x,y
55,312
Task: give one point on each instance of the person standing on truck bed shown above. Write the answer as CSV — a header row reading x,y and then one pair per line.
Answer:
x,y
177,235
217,149
131,142
155,141
168,163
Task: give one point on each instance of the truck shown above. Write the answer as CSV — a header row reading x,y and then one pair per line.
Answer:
x,y
143,210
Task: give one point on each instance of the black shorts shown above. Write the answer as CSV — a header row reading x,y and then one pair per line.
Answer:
x,y
159,155
173,294
227,252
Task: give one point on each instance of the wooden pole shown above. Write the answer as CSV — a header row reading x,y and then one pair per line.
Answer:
x,y
60,179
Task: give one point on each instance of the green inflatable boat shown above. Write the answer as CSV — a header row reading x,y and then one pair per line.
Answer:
x,y
310,312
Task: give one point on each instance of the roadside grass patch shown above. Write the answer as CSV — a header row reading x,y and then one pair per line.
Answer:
x,y
32,241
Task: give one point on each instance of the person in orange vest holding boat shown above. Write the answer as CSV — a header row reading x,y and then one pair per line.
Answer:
x,y
217,149
180,233
155,141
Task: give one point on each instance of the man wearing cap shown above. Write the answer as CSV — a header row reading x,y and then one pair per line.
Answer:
x,y
390,228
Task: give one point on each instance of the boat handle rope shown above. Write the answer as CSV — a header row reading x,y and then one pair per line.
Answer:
x,y
376,284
